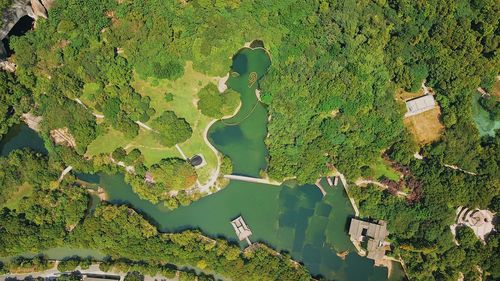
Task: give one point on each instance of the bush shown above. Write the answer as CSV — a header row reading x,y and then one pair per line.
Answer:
x,y
172,129
216,105
68,264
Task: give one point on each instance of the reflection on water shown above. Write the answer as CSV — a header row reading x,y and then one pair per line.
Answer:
x,y
21,136
296,220
484,123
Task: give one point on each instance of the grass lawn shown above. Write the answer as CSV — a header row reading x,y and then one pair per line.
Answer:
x,y
22,191
89,90
495,91
382,168
426,126
184,90
402,95
106,143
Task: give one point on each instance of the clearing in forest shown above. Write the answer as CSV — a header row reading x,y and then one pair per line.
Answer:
x,y
495,91
426,126
22,191
402,95
382,168
182,95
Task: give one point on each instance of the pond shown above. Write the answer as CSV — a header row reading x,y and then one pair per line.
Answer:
x,y
242,136
484,123
21,136
296,220
289,218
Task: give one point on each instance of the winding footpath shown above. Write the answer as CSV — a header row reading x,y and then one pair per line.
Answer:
x,y
202,188
364,182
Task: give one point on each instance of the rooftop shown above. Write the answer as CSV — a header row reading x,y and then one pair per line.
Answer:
x,y
359,229
373,233
419,105
196,160
241,228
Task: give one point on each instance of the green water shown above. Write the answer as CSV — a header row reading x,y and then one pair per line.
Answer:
x,y
241,137
21,136
484,123
296,220
292,219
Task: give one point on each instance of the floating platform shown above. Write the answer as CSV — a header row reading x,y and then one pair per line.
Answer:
x,y
242,230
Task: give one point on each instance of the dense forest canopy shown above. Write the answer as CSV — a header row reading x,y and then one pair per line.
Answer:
x,y
56,214
337,64
330,93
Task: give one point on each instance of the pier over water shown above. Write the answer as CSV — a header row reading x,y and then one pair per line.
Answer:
x,y
242,230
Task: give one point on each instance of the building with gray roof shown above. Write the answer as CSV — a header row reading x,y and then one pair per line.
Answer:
x,y
372,233
419,105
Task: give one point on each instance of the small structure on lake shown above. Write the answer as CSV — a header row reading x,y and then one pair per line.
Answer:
x,y
372,233
242,230
419,105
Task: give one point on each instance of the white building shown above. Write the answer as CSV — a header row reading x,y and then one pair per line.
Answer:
x,y
419,105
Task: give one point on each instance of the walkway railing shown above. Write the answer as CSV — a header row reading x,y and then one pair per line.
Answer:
x,y
251,179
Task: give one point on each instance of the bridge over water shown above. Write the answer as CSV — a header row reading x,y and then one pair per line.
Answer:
x,y
251,179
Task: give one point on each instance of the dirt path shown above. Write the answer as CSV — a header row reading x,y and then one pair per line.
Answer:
x,y
181,152
93,270
142,125
221,85
32,121
454,167
364,182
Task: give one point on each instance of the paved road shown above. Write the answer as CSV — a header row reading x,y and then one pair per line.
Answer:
x,y
93,269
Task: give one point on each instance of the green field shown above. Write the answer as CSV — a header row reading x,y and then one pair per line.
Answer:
x,y
184,104
382,168
23,190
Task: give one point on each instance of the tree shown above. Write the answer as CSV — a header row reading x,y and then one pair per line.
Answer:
x,y
175,173
15,100
466,237
172,129
119,154
215,104
68,264
134,276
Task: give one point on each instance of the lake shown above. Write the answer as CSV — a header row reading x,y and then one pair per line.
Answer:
x,y
289,218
